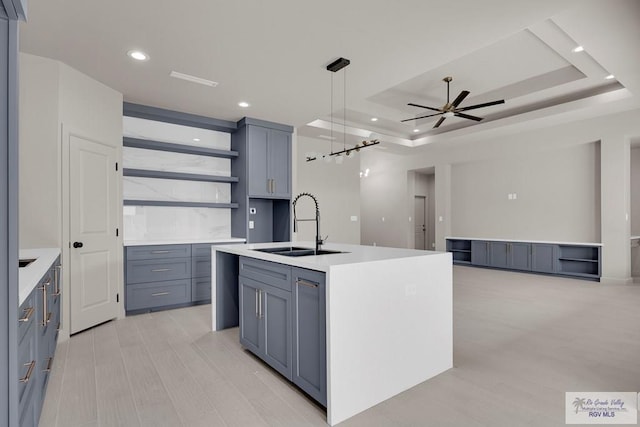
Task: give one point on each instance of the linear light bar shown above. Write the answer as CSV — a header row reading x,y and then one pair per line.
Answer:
x,y
193,79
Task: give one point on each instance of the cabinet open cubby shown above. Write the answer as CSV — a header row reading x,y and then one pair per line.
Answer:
x,y
460,250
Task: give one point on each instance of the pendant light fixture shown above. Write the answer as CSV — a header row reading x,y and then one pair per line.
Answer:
x,y
334,67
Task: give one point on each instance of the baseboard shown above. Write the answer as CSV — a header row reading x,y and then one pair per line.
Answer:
x,y
616,281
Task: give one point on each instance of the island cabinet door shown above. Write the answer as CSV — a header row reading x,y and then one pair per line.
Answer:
x,y
309,333
249,312
276,315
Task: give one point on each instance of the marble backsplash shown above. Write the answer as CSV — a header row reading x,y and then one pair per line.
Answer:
x,y
175,134
138,158
172,223
135,188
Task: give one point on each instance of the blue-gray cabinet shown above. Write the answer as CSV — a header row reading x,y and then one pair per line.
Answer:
x,y
543,257
479,253
309,333
269,162
159,277
38,327
283,321
263,190
265,313
570,260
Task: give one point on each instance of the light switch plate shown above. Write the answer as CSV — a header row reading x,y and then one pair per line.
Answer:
x,y
354,218
251,225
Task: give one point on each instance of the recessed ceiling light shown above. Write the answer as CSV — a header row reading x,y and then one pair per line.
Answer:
x,y
374,119
610,76
578,49
138,55
193,79
196,139
243,104
416,130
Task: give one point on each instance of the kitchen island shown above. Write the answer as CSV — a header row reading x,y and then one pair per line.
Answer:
x,y
387,315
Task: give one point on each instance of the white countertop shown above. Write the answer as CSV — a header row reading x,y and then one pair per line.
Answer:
x,y
183,241
30,276
354,254
527,241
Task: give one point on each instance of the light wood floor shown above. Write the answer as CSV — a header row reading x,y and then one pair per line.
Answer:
x,y
520,342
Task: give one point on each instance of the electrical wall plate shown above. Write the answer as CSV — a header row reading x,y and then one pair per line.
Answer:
x,y
252,211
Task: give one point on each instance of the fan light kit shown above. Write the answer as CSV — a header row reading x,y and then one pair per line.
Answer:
x,y
451,109
334,67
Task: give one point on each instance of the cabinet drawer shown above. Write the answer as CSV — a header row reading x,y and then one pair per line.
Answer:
x,y
201,267
201,289
148,295
201,249
271,273
143,271
158,252
26,357
27,315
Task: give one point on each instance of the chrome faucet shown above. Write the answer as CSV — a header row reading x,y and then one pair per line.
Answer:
x,y
319,241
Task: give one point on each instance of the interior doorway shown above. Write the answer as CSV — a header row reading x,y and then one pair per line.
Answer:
x,y
422,183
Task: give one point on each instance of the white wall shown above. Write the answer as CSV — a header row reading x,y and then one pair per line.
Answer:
x,y
337,188
40,155
558,196
558,172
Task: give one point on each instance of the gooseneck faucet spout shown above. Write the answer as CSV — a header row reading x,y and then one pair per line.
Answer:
x,y
319,241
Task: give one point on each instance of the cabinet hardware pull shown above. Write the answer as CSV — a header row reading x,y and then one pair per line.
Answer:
x,y
260,304
26,378
273,185
160,252
48,317
305,283
57,271
56,294
47,283
257,304
159,294
28,312
43,288
49,363
158,270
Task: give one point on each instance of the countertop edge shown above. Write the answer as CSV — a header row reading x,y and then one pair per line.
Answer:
x,y
183,242
28,277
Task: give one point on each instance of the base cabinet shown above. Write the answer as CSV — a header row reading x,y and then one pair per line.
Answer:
x,y
309,333
570,260
38,328
282,321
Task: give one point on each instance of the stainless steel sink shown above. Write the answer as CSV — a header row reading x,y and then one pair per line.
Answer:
x,y
295,252
25,262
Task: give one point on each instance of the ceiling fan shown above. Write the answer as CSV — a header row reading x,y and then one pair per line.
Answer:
x,y
451,109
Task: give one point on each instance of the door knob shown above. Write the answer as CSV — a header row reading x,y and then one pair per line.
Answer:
x,y
77,244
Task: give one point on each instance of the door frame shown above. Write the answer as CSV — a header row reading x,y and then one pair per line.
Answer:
x,y
426,218
66,132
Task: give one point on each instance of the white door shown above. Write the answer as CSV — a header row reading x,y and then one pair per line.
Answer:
x,y
92,233
420,222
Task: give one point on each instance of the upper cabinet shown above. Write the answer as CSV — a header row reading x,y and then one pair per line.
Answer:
x,y
269,157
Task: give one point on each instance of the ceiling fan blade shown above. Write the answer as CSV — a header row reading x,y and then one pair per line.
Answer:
x,y
424,106
422,117
467,116
439,122
486,104
460,98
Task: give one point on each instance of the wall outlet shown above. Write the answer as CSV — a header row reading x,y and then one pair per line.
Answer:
x,y
253,211
510,196
251,225
515,196
440,219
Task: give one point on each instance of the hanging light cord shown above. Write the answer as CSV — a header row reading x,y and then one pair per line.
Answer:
x,y
344,111
332,112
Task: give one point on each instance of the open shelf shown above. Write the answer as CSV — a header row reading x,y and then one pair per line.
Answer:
x,y
148,144
179,204
143,173
577,259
